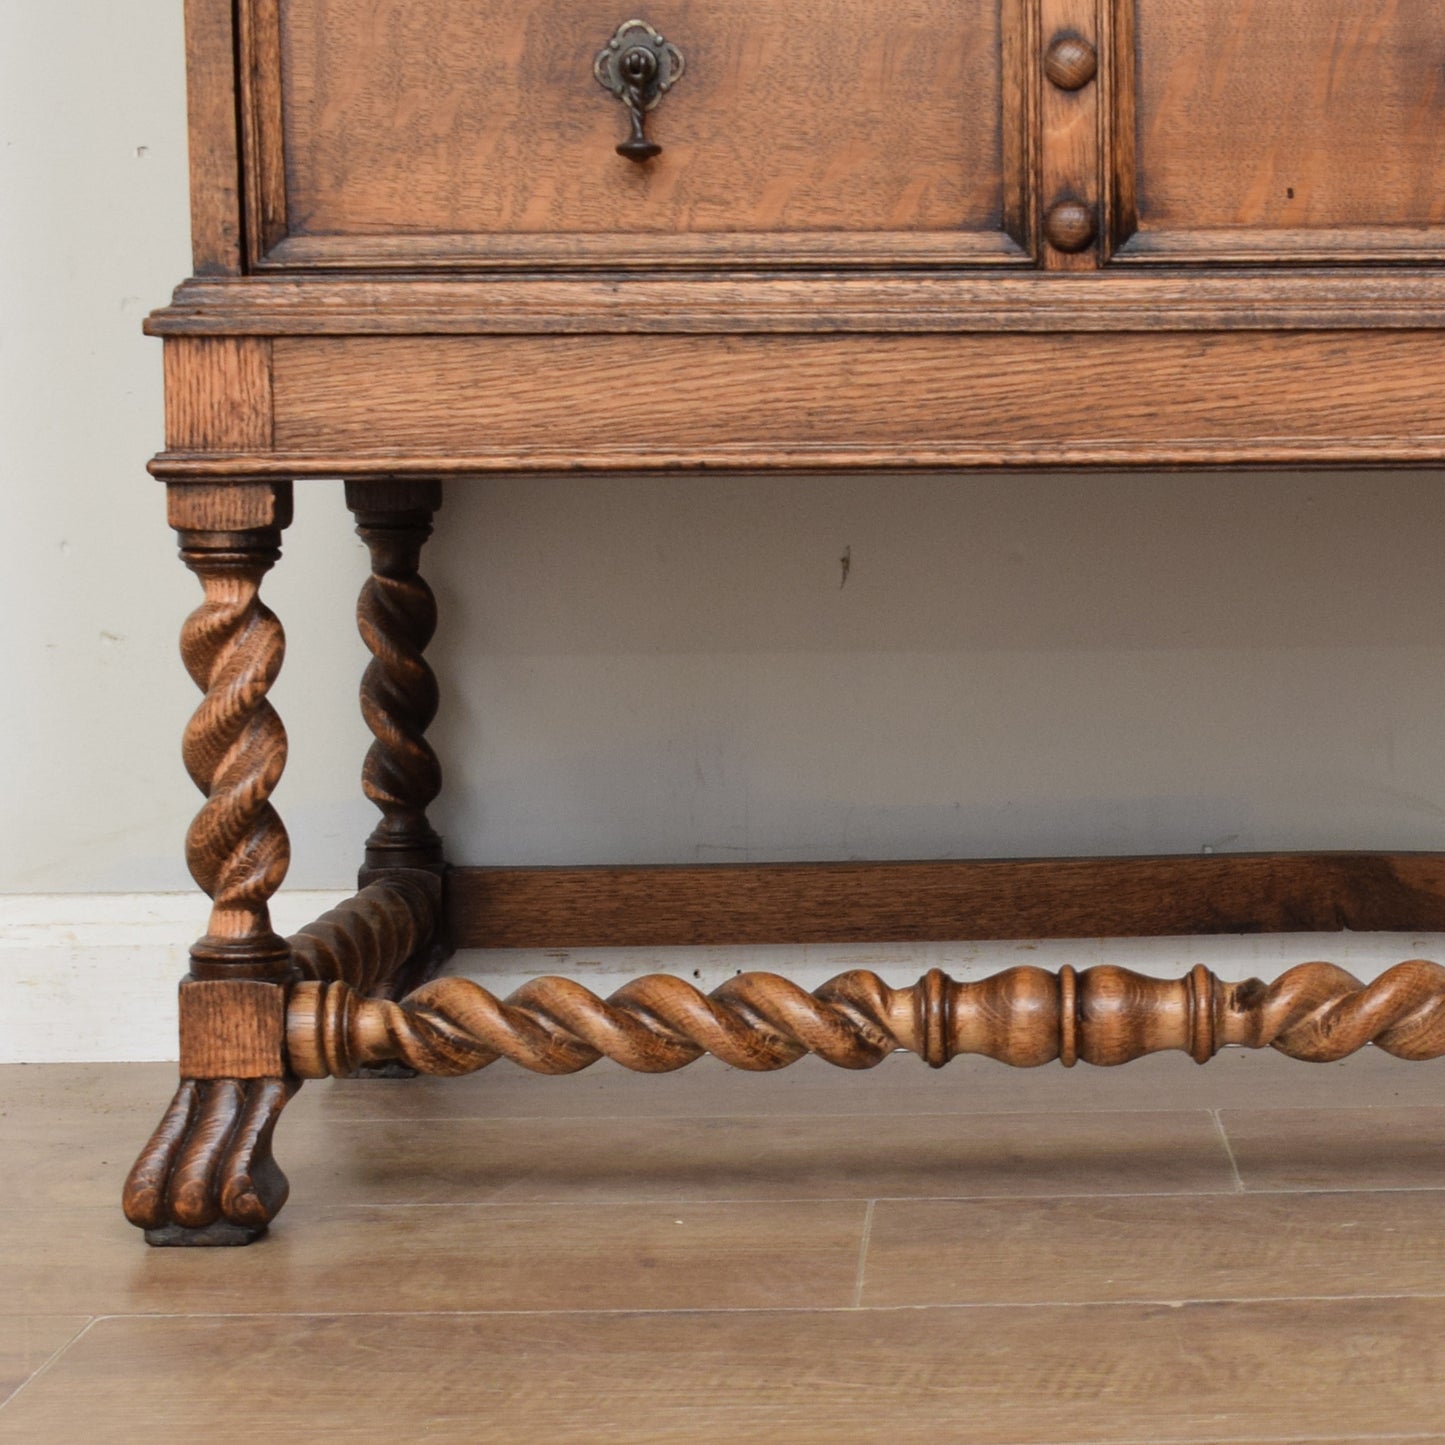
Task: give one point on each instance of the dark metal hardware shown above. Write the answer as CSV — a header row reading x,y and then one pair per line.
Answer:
x,y
639,67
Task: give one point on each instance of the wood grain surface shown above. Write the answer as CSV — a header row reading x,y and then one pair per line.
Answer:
x,y
376,134
428,126
979,1251
215,142
845,1153
1337,1143
263,154
452,396
218,392
28,1341
231,1029
235,505
1242,1371
1069,154
891,302
602,907
1292,122
619,1264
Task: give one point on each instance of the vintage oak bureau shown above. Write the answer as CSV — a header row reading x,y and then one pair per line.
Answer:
x,y
441,238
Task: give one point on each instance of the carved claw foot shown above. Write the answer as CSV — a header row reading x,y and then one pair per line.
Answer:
x,y
207,1177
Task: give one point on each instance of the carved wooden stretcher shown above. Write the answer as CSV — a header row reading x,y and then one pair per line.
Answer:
x,y
1036,234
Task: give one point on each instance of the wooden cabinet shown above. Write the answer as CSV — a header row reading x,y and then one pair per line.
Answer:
x,y
923,234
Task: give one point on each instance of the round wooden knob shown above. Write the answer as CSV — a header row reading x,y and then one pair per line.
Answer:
x,y
1071,63
1069,226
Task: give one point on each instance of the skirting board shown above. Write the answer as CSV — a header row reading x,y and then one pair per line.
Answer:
x,y
92,977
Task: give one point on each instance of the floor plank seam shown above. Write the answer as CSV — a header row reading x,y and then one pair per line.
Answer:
x,y
50,1360
1354,1438
307,1211
670,1201
863,1255
1315,1106
625,1311
141,1115
1217,1116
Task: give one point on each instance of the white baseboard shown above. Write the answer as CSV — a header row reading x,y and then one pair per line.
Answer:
x,y
91,978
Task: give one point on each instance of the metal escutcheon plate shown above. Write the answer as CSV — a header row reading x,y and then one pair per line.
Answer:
x,y
638,35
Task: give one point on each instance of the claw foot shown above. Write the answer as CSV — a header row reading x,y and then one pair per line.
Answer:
x,y
207,1177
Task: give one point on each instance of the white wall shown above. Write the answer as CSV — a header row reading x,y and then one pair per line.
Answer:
x,y
642,669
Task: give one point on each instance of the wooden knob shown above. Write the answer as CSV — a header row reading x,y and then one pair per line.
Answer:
x,y
1069,227
1071,63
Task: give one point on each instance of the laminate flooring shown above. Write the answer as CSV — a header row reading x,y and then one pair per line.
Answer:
x,y
1252,1251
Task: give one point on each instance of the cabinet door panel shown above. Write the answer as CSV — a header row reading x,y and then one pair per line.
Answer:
x,y
463,131
1289,129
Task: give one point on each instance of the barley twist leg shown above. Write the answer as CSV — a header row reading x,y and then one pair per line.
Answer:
x,y
207,1175
397,616
235,750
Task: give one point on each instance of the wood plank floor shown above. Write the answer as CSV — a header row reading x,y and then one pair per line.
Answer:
x,y
1253,1251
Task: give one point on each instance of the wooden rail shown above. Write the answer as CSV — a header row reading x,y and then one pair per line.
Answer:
x,y
746,903
1023,1016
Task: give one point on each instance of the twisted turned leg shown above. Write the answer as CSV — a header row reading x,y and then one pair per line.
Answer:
x,y
1023,1016
207,1175
366,940
397,616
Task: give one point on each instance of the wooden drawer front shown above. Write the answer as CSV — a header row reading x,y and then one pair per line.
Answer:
x,y
462,132
1288,129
